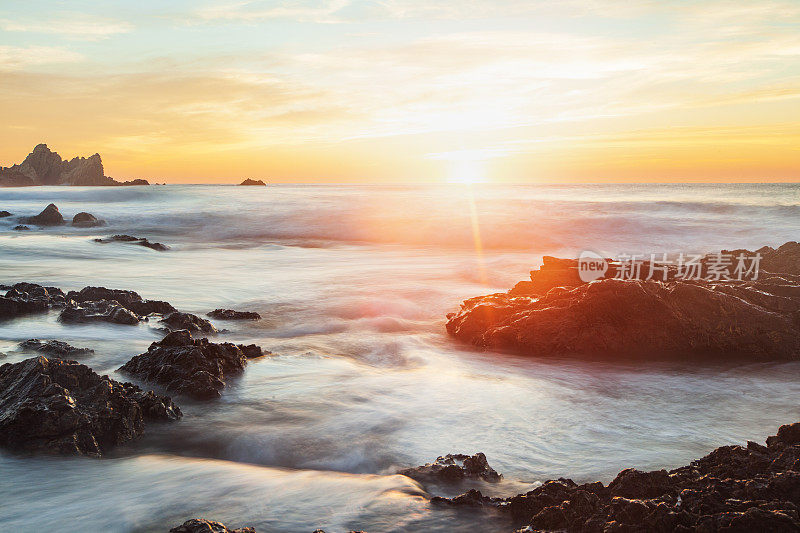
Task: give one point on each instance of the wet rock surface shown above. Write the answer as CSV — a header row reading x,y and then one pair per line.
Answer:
x,y
454,468
86,220
734,488
21,227
194,367
130,300
556,314
4,214
98,311
54,348
186,321
201,525
63,407
138,241
50,216
29,298
230,314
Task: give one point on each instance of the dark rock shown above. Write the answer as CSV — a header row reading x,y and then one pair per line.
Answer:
x,y
636,319
453,468
248,181
193,323
137,181
128,299
50,216
734,488
20,227
54,348
100,310
57,406
12,177
251,351
201,525
4,214
230,314
86,220
194,367
29,298
784,260
139,241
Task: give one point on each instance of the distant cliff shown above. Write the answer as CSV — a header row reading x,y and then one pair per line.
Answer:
x,y
45,167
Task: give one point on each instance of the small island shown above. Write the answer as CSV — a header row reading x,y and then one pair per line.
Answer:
x,y
45,167
248,181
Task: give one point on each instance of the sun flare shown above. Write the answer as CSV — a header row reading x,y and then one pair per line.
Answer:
x,y
467,167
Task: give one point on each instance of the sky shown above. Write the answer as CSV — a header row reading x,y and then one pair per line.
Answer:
x,y
397,91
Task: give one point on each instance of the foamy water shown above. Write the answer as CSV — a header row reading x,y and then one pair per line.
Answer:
x,y
354,284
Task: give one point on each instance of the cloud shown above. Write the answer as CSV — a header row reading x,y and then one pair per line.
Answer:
x,y
253,11
20,57
74,27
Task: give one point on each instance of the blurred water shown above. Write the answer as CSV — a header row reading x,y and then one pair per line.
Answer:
x,y
354,283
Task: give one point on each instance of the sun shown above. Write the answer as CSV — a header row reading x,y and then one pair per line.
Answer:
x,y
467,167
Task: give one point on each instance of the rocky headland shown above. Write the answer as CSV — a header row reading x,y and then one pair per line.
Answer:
x,y
45,167
558,314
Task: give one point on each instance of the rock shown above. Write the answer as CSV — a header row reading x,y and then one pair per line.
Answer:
x,y
734,488
135,182
251,351
193,323
454,468
201,525
139,241
50,216
54,348
230,314
20,227
86,220
29,298
614,318
4,214
248,181
784,260
194,367
57,406
45,167
100,310
128,299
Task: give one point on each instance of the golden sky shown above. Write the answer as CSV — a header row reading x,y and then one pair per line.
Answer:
x,y
406,91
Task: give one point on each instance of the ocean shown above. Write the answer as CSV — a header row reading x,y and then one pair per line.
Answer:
x,y
354,284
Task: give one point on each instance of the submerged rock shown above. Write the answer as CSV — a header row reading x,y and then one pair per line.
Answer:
x,y
248,181
128,299
230,314
4,214
251,351
194,367
454,468
734,488
57,406
50,216
86,220
139,241
194,324
55,348
21,227
201,525
98,311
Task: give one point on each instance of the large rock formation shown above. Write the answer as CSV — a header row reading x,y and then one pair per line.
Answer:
x,y
557,314
45,167
56,406
734,488
195,367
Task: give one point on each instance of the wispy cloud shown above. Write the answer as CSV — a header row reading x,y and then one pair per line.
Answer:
x,y
20,57
74,27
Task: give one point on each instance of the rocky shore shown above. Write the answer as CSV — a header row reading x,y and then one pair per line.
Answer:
x,y
733,489
558,314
